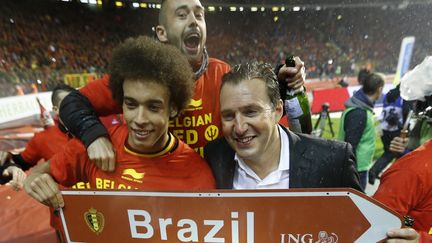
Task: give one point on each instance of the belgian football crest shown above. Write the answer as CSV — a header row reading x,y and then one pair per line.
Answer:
x,y
95,220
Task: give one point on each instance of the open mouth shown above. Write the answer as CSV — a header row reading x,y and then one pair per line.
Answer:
x,y
192,42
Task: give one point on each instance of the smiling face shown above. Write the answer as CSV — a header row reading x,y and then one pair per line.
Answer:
x,y
183,25
249,121
146,111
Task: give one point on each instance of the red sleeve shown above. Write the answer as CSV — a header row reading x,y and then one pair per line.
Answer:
x,y
400,189
100,96
32,153
425,237
69,166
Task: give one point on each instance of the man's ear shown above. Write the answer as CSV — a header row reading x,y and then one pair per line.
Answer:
x,y
279,110
161,34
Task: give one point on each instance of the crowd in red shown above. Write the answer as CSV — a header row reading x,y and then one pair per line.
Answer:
x,y
40,43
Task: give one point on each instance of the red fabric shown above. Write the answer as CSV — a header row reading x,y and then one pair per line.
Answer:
x,y
199,123
335,97
111,120
23,219
182,169
406,187
100,96
284,121
44,145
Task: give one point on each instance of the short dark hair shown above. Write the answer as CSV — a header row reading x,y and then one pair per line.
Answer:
x,y
55,99
372,83
255,70
363,73
147,60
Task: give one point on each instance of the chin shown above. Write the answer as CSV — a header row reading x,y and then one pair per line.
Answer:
x,y
246,154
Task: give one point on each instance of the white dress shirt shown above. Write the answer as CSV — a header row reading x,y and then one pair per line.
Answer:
x,y
246,178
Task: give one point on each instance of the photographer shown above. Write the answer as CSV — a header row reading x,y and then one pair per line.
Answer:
x,y
391,122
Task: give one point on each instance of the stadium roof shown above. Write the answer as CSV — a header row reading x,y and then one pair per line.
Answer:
x,y
399,4
363,3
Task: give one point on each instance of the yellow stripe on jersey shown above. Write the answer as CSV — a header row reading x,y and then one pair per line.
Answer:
x,y
167,149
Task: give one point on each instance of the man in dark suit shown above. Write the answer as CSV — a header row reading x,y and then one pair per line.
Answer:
x,y
258,153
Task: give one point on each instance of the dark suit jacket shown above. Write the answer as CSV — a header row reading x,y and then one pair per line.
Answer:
x,y
314,163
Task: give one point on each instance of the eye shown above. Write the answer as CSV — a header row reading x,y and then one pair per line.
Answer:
x,y
228,116
199,15
182,14
130,104
154,107
250,113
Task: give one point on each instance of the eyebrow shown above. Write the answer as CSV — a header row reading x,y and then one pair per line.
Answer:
x,y
159,101
252,106
186,7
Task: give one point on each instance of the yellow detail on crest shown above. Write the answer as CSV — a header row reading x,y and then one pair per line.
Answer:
x,y
94,220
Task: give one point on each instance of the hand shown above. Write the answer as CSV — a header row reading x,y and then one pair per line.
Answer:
x,y
404,235
44,189
4,156
294,76
18,177
398,145
102,153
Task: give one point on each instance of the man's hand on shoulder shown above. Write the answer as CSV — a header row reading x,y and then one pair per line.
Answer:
x,y
102,153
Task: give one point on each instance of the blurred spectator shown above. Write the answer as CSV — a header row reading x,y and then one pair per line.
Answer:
x,y
357,124
391,122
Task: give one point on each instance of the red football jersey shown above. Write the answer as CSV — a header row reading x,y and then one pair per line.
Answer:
x,y
197,125
178,169
44,145
406,187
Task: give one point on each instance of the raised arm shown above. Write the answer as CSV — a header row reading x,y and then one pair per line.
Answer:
x,y
293,78
79,112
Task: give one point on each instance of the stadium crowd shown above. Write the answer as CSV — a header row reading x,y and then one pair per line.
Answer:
x,y
41,44
45,41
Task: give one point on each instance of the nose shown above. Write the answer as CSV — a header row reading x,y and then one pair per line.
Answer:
x,y
240,125
141,117
192,20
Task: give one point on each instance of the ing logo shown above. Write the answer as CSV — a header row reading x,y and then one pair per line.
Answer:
x,y
323,237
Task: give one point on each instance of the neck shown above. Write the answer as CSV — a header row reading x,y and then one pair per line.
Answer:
x,y
372,98
267,162
201,66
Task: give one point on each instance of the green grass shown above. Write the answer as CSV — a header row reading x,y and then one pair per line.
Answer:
x,y
335,122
